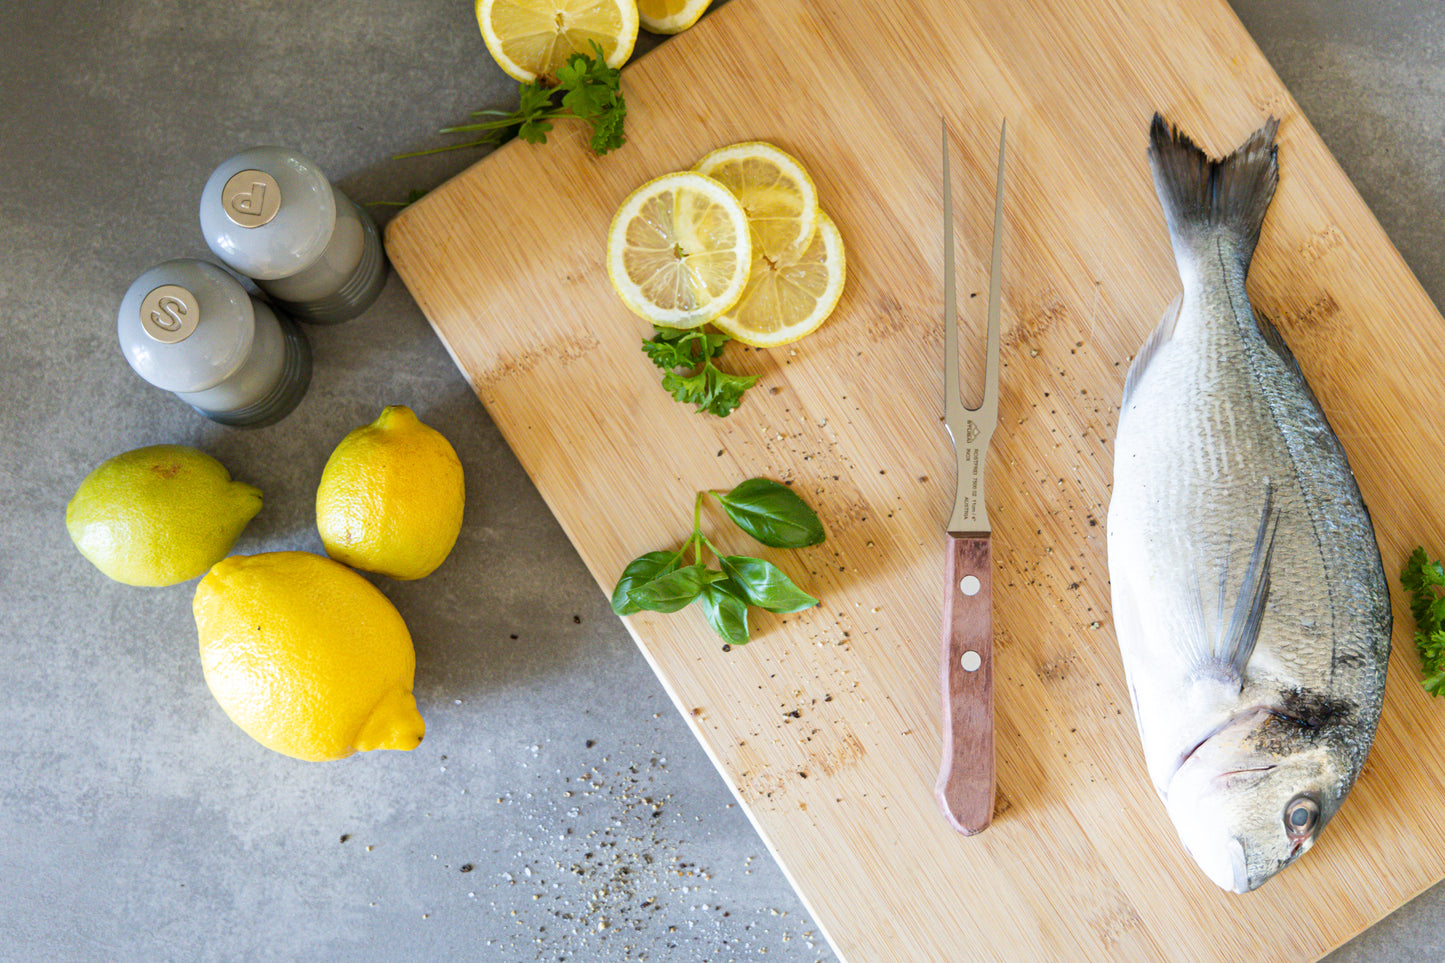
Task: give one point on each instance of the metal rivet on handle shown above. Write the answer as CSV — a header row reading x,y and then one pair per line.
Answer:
x,y
971,661
970,585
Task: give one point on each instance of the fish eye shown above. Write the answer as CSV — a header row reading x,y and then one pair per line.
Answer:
x,y
1301,816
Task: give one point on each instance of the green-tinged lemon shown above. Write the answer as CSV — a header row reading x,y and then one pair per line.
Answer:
x,y
159,515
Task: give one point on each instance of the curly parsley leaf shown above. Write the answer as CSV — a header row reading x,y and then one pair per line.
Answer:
x,y
593,93
607,129
1422,577
534,112
586,89
699,382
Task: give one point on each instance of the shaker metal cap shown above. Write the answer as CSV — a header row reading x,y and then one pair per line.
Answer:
x,y
169,313
268,212
251,198
186,325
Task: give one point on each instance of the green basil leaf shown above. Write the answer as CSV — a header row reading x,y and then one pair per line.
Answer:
x,y
674,590
773,514
726,611
638,573
763,584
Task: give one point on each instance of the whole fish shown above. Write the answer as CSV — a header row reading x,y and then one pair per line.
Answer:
x,y
1250,602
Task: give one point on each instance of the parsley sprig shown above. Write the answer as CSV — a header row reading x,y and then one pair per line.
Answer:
x,y
586,89
1421,577
768,511
686,358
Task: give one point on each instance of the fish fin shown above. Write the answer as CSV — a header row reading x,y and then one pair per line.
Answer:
x,y
1203,197
1203,649
1277,344
1161,334
1236,638
1275,341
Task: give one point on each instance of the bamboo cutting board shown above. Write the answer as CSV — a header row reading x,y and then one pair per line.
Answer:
x,y
826,726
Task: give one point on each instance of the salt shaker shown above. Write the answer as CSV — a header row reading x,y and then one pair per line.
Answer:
x,y
189,327
271,215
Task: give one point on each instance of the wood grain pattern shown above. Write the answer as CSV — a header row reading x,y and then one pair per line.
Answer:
x,y
965,787
826,726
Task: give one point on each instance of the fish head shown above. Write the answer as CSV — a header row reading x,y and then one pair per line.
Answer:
x,y
1254,796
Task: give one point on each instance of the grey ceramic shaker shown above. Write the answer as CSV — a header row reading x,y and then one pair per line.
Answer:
x,y
272,216
190,328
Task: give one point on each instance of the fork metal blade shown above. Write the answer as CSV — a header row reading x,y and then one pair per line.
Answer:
x,y
971,428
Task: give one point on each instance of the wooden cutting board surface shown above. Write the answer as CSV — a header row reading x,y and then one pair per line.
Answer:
x,y
826,725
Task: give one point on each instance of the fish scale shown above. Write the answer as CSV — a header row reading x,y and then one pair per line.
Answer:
x,y
1249,598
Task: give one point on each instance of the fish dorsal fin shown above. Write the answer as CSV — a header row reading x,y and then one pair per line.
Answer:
x,y
1161,334
1277,344
1227,650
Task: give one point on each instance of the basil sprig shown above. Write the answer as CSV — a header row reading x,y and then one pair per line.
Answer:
x,y
770,512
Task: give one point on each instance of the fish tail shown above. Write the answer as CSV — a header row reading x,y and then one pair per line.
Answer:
x,y
1207,199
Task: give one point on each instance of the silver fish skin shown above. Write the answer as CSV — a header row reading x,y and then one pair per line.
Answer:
x,y
1249,599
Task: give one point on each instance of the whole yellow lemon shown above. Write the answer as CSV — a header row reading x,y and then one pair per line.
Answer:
x,y
391,495
306,656
159,515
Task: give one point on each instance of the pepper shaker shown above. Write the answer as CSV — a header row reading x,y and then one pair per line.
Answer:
x,y
272,216
190,328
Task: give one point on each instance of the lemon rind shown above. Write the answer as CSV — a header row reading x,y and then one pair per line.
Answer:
x,y
793,167
676,23
631,293
834,252
626,40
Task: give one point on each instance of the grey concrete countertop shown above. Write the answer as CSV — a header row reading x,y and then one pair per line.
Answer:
x,y
559,808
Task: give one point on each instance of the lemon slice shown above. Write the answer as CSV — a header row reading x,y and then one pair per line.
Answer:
x,y
678,250
530,39
789,296
775,190
670,16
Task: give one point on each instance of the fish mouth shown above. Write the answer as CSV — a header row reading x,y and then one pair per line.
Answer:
x,y
1240,778
1245,715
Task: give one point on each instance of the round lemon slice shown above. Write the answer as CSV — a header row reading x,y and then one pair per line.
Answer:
x,y
678,250
789,296
670,16
530,39
775,190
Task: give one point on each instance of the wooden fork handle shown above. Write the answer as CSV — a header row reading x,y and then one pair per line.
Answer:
x,y
965,787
